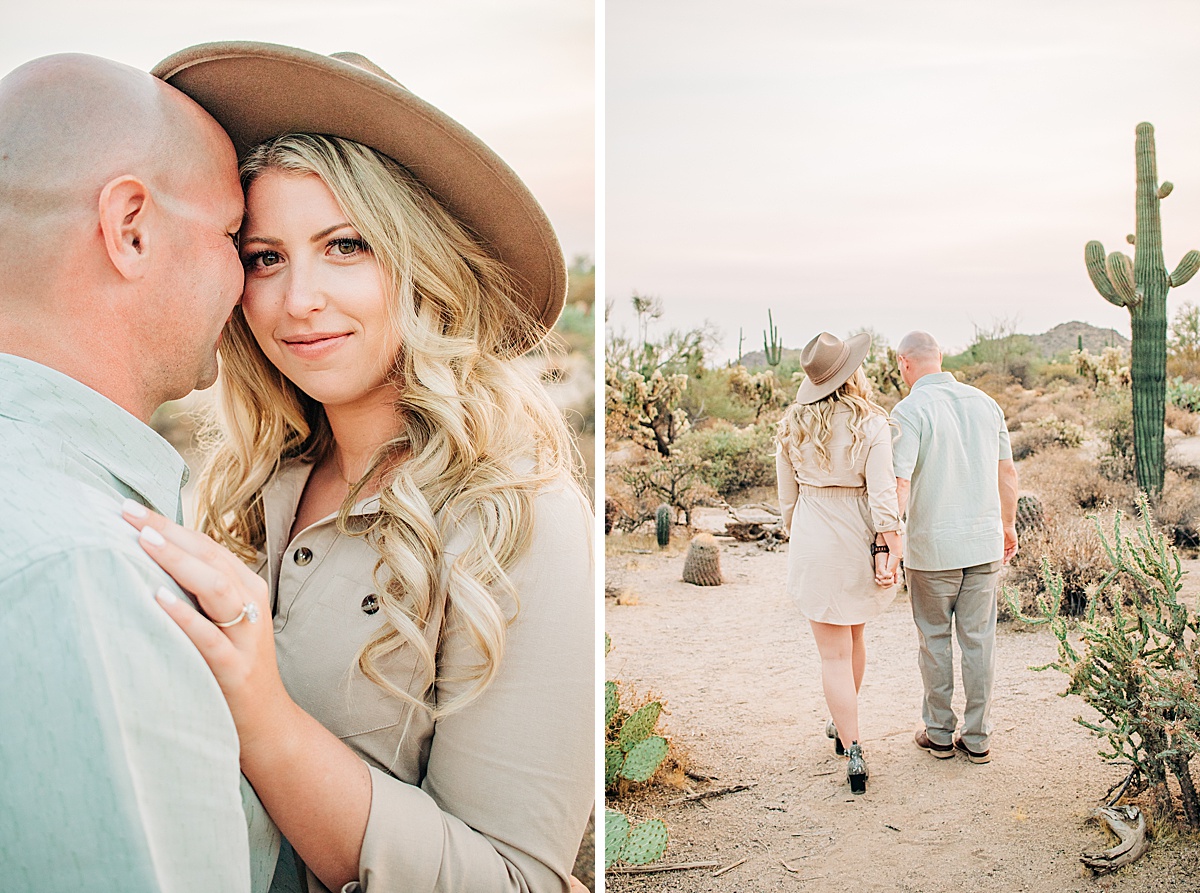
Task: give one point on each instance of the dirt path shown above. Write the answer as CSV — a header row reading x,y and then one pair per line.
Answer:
x,y
739,672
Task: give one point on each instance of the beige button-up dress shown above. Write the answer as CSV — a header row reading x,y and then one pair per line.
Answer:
x,y
833,516
494,797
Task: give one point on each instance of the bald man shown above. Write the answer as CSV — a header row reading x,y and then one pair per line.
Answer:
x,y
956,479
119,204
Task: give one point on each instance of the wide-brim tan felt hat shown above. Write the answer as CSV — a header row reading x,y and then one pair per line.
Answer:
x,y
828,363
258,91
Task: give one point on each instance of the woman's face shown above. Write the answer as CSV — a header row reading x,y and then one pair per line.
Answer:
x,y
315,297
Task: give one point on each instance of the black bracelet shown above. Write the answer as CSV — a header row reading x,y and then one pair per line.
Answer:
x,y
877,548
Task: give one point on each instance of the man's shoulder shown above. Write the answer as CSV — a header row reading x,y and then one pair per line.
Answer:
x,y
50,515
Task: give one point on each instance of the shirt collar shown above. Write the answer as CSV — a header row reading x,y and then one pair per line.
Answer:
x,y
933,378
124,446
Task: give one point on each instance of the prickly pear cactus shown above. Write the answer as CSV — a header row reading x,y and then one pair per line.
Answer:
x,y
1029,514
1141,286
702,567
662,525
635,844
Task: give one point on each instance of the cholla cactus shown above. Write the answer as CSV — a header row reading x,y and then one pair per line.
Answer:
x,y
702,567
1136,662
1110,368
762,390
646,410
1141,286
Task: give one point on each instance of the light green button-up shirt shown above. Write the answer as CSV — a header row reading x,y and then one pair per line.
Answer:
x,y
118,755
949,446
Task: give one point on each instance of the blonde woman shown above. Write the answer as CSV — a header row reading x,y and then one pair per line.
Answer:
x,y
391,494
837,492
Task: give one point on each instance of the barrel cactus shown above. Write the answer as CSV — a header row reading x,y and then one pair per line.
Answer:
x,y
702,567
662,525
1141,285
635,844
1029,514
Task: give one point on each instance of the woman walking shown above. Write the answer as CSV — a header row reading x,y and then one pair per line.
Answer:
x,y
837,492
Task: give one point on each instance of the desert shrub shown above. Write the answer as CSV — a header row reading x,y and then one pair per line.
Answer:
x,y
1060,431
1050,374
735,458
638,488
1068,482
1136,660
1182,419
1178,509
1030,439
1070,544
1114,419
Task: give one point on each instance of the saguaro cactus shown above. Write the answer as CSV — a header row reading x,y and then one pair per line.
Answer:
x,y
1141,286
772,346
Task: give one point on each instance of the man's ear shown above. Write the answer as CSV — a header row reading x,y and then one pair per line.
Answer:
x,y
124,216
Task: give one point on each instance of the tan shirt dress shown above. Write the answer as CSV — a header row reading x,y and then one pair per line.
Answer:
x,y
833,516
494,797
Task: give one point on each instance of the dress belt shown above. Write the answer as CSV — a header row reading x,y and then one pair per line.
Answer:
x,y
832,492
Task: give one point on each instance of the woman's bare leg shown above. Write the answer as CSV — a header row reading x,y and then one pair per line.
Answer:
x,y
839,675
860,655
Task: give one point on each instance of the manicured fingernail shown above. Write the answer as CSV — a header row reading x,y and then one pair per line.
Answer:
x,y
134,509
151,536
165,596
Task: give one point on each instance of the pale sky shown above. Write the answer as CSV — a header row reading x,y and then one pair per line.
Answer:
x,y
518,73
930,164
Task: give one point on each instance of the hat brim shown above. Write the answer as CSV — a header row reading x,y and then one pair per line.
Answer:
x,y
258,91
858,346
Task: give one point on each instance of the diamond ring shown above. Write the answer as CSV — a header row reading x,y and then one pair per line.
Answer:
x,y
249,612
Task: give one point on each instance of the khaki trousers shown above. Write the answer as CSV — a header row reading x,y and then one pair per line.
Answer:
x,y
966,598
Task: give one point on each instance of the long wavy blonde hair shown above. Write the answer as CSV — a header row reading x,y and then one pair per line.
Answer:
x,y
813,422
478,436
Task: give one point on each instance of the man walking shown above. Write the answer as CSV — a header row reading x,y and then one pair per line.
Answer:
x,y
119,203
955,476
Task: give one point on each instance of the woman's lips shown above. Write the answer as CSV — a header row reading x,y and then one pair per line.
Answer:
x,y
315,348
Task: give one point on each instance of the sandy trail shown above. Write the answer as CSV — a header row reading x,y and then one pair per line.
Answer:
x,y
740,676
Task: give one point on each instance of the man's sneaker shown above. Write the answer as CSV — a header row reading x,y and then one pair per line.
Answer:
x,y
941,751
983,756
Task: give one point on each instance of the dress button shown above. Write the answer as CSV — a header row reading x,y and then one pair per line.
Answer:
x,y
370,604
302,556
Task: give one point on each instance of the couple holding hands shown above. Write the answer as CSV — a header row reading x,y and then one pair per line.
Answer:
x,y
370,668
848,476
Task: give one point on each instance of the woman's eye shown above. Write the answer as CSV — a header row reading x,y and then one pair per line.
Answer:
x,y
261,259
347,247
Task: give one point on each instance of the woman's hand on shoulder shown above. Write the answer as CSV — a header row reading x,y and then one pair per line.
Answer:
x,y
234,634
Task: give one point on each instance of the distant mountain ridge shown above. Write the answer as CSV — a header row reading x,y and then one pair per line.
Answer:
x,y
1063,338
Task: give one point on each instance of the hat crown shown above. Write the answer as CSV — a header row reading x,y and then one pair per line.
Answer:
x,y
823,357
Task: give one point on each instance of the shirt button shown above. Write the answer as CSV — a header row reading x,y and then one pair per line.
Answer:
x,y
370,604
302,556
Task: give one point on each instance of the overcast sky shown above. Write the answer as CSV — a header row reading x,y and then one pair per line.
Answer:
x,y
931,164
518,73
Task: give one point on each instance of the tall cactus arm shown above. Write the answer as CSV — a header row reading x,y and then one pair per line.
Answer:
x,y
1186,269
1093,256
1164,189
1120,274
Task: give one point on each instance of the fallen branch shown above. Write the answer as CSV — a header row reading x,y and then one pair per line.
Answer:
x,y
652,869
1129,825
1120,787
705,795
729,867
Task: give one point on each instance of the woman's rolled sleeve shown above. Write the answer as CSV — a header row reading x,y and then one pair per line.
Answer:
x,y
881,482
785,483
509,783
